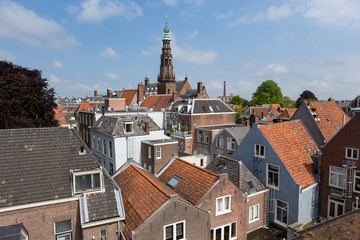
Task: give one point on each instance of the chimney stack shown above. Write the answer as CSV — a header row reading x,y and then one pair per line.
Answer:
x,y
109,92
224,88
199,87
95,93
140,92
147,128
147,80
175,96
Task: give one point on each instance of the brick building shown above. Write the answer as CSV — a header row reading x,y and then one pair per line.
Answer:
x,y
211,192
56,186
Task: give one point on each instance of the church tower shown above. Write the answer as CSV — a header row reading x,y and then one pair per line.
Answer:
x,y
166,77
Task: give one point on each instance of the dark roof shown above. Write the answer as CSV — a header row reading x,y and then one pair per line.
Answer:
x,y
238,173
113,125
12,232
44,160
196,106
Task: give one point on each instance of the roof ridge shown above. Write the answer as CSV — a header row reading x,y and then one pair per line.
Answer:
x,y
151,181
202,169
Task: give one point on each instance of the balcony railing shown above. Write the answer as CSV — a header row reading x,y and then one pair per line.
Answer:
x,y
182,134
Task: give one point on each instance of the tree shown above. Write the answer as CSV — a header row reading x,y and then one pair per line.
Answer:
x,y
237,100
268,92
287,102
26,101
238,113
306,95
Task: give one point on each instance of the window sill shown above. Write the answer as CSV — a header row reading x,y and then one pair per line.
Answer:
x,y
222,213
259,156
338,187
255,220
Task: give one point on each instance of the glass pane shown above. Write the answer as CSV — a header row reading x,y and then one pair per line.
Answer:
x,y
233,229
179,231
220,204
357,183
276,179
333,179
227,232
340,210
169,233
66,236
78,183
262,150
251,213
218,234
273,168
355,154
227,203
341,180
332,209
212,234
348,154
63,226
96,180
87,182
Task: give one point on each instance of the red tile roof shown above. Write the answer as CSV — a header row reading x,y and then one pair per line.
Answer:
x,y
288,112
87,105
331,116
157,102
293,144
195,181
142,195
129,96
261,112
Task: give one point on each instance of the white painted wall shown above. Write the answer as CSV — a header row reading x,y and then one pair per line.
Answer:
x,y
196,159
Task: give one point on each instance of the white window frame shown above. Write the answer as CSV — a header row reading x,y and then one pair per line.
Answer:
x,y
101,236
257,150
158,152
356,178
220,142
173,225
230,145
223,205
287,212
337,174
200,135
337,202
98,144
268,184
92,172
125,127
66,232
110,149
254,213
213,231
149,151
352,150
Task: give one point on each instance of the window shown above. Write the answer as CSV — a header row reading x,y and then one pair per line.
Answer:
x,y
175,231
158,152
111,168
254,213
174,181
104,146
206,138
337,177
352,153
150,168
199,136
259,151
230,144
93,141
149,152
223,205
63,230
336,207
357,181
220,142
98,144
103,235
281,212
224,232
272,176
145,165
201,162
128,127
87,181
250,185
110,149
62,119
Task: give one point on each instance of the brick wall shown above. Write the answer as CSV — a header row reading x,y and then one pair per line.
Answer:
x,y
167,152
110,228
115,103
260,199
238,212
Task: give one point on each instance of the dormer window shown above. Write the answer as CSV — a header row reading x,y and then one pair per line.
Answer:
x,y
87,181
174,181
128,127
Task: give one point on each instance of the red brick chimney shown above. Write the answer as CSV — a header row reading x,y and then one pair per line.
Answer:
x,y
109,92
199,87
253,119
175,96
147,81
140,92
95,93
147,130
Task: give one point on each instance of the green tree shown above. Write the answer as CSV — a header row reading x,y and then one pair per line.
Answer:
x,y
238,113
26,101
306,95
237,100
287,102
268,92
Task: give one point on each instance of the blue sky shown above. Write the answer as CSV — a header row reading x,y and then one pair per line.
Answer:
x,y
87,45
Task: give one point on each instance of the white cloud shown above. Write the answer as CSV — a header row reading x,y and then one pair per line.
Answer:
x,y
26,26
54,79
272,70
111,75
5,55
224,15
194,34
109,53
58,64
98,10
169,2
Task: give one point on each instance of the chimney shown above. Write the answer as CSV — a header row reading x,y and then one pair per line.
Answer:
x,y
95,93
253,120
224,88
82,150
175,96
140,92
147,80
147,128
199,87
109,92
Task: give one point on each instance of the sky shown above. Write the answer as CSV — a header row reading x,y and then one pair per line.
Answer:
x,y
86,45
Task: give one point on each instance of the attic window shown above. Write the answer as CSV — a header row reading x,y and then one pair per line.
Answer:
x,y
128,127
87,181
100,123
217,107
211,109
250,185
174,181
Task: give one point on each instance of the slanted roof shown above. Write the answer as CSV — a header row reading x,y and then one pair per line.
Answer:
x,y
239,131
128,95
142,194
157,102
288,113
294,145
238,173
329,117
36,166
195,181
210,106
115,125
179,85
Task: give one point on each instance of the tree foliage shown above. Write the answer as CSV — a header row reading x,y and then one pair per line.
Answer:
x,y
268,92
26,101
237,100
306,95
238,113
287,102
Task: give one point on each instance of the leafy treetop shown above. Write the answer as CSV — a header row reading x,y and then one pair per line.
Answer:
x,y
268,92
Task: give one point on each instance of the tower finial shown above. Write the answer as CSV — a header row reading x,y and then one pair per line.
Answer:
x,y
166,30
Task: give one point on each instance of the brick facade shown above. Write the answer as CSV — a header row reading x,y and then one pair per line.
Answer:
x,y
258,198
115,104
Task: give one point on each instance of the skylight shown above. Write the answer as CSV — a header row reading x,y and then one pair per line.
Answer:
x,y
174,181
250,185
